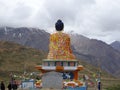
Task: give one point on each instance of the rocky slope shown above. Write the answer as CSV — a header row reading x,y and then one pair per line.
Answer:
x,y
97,53
32,37
116,45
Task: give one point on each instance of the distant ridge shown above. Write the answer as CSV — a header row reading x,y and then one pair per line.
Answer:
x,y
116,45
32,37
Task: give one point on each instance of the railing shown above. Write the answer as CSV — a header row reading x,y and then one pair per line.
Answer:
x,y
54,67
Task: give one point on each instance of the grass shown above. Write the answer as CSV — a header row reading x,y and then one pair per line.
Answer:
x,y
113,87
106,79
16,58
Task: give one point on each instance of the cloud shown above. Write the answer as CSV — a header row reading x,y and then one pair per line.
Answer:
x,y
22,12
67,10
93,18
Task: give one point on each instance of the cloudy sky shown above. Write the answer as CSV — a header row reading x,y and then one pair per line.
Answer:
x,y
98,19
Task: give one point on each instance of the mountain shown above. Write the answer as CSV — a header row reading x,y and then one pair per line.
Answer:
x,y
116,45
17,58
92,51
97,53
15,55
32,37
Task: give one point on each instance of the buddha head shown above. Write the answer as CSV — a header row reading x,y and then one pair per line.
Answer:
x,y
59,25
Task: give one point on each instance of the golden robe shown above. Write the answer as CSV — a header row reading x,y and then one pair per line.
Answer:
x,y
59,47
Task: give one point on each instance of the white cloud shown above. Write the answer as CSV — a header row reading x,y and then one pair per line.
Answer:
x,y
93,18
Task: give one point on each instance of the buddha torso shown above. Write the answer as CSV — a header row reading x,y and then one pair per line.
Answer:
x,y
59,47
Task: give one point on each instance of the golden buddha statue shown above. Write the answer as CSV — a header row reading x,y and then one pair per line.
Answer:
x,y
59,47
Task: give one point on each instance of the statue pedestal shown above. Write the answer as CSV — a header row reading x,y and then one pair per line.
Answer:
x,y
62,66
52,80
